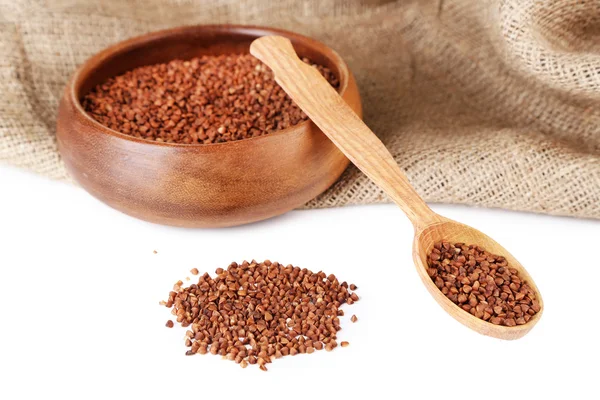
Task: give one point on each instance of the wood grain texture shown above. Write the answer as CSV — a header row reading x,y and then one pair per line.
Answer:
x,y
329,112
213,185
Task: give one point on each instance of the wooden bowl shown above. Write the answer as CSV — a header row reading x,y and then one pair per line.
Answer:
x,y
199,185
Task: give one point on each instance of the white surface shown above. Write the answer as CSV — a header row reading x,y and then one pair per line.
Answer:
x,y
80,286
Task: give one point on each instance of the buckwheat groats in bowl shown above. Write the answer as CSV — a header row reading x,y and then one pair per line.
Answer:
x,y
208,99
183,127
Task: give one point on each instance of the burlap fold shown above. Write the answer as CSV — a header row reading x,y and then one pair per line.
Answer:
x,y
489,103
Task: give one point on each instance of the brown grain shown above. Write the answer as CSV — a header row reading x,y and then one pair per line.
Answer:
x,y
482,284
252,312
208,99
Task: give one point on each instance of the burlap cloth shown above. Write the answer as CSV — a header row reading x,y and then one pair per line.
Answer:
x,y
489,103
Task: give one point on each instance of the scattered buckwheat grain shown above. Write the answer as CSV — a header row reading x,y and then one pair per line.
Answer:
x,y
252,312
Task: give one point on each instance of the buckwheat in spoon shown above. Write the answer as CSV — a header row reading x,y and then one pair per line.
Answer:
x,y
471,276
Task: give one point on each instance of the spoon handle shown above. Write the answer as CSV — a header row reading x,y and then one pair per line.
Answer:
x,y
326,108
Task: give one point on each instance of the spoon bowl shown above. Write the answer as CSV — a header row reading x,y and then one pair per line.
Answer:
x,y
331,114
455,232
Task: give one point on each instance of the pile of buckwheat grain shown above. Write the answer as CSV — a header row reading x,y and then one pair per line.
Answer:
x,y
208,99
254,312
482,283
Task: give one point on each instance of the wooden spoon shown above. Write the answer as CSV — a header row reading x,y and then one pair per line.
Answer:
x,y
313,94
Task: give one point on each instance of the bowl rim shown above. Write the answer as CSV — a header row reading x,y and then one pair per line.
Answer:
x,y
139,41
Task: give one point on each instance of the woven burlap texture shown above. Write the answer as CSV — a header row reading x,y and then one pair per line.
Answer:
x,y
488,103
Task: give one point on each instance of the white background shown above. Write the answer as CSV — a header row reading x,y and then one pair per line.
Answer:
x,y
80,286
